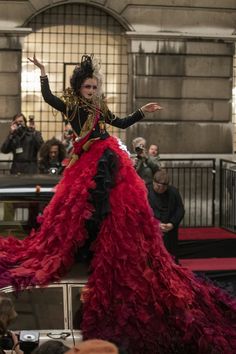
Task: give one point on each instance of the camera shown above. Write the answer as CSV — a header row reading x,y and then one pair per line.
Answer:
x,y
54,167
31,118
28,341
139,149
6,341
20,128
31,123
53,171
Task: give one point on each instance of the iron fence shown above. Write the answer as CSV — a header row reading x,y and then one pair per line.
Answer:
x,y
195,180
228,194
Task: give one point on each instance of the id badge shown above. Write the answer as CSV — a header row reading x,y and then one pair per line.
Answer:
x,y
19,150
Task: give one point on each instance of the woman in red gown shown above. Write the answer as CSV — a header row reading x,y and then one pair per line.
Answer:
x,y
136,296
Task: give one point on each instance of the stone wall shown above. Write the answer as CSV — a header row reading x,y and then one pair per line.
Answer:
x,y
192,80
10,78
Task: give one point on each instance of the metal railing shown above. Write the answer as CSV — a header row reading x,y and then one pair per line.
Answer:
x,y
228,194
195,180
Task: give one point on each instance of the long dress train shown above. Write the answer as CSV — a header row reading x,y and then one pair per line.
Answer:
x,y
136,295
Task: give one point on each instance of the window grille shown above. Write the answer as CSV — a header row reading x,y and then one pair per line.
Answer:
x,y
62,34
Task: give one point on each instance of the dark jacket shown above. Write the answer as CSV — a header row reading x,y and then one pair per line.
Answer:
x,y
175,212
168,208
24,145
147,167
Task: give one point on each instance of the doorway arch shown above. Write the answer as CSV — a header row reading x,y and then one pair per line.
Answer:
x,y
60,36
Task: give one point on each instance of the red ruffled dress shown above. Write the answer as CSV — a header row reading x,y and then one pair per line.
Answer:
x,y
136,295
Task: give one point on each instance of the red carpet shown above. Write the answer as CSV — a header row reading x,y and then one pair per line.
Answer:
x,y
209,264
208,249
205,233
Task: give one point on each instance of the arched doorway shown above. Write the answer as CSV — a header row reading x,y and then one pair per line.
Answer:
x,y
61,35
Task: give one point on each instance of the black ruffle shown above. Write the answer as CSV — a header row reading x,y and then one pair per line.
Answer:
x,y
99,198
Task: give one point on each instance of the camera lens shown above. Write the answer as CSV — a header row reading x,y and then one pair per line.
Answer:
x,y
53,171
139,149
20,128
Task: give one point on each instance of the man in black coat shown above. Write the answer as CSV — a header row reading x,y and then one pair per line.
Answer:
x,y
168,208
24,143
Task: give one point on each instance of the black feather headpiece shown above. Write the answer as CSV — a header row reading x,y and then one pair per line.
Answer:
x,y
82,72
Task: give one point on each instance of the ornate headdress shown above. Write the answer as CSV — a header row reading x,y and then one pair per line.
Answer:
x,y
88,68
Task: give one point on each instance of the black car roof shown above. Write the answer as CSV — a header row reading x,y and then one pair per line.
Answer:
x,y
14,181
23,186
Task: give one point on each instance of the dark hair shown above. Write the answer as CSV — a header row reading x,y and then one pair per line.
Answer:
x,y
20,115
51,347
7,312
45,149
82,72
154,145
161,176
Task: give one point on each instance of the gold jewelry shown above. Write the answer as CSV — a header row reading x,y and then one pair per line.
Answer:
x,y
74,103
73,159
71,101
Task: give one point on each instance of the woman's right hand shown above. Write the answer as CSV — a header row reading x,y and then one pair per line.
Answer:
x,y
36,62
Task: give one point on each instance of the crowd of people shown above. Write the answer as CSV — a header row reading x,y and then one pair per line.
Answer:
x,y
30,154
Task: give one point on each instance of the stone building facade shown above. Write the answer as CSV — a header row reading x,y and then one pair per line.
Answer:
x,y
179,53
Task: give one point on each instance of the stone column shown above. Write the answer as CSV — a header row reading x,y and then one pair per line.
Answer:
x,y
11,41
234,102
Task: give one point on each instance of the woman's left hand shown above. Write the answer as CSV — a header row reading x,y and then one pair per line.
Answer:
x,y
151,107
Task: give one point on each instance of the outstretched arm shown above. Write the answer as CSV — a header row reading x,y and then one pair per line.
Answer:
x,y
132,118
48,96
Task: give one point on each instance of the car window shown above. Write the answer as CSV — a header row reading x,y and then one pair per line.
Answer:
x,y
39,308
18,217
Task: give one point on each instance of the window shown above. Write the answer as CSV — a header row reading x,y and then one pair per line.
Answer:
x,y
61,35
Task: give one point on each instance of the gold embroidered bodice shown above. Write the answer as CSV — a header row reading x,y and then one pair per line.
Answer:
x,y
84,112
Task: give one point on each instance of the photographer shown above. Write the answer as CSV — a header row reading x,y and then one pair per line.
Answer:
x,y
24,143
145,165
51,155
8,340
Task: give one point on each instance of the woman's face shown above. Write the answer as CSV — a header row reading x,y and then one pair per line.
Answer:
x,y
89,88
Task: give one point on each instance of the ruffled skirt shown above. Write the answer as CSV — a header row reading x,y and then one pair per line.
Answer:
x,y
136,296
